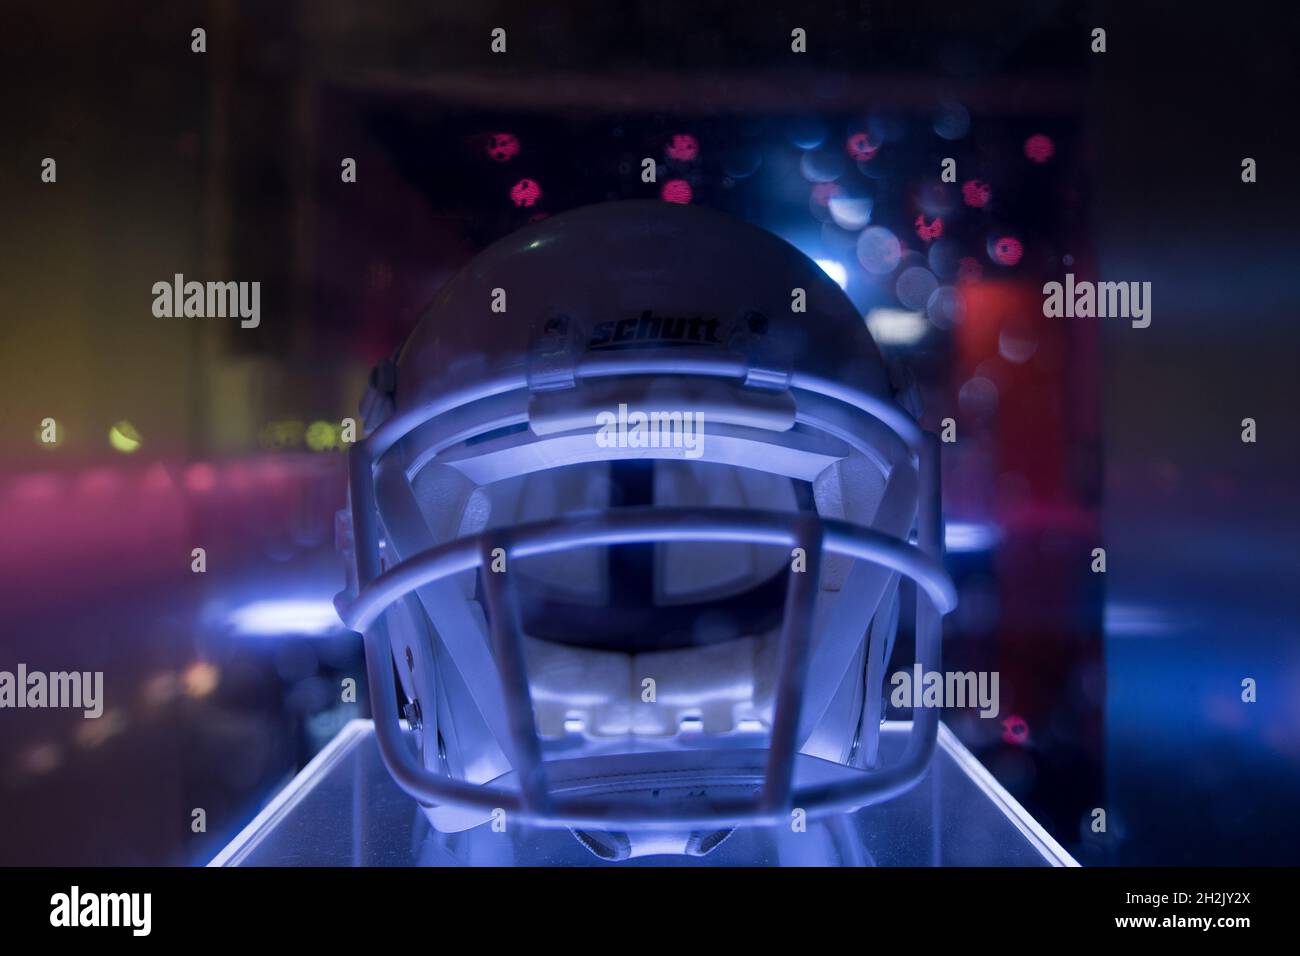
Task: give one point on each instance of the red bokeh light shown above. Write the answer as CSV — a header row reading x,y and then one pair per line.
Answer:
x,y
975,193
859,146
1008,251
503,147
157,478
99,482
676,190
1015,730
525,193
1039,148
931,231
38,487
200,477
684,147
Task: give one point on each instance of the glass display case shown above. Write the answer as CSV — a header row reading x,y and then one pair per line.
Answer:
x,y
344,809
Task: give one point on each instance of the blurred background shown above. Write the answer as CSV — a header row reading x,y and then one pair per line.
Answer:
x,y
1119,690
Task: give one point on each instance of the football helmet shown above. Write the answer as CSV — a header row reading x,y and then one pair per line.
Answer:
x,y
627,534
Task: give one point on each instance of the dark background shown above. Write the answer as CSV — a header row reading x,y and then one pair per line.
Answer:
x,y
225,165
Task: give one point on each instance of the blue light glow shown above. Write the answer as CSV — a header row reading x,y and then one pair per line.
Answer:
x,y
963,537
285,618
835,270
1136,620
896,326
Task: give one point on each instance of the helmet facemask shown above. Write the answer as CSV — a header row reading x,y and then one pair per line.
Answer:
x,y
653,670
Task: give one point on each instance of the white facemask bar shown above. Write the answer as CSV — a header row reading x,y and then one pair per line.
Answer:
x,y
533,802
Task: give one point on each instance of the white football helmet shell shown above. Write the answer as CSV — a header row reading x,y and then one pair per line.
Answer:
x,y
492,534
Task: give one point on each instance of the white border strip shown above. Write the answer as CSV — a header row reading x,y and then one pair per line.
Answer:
x,y
1032,830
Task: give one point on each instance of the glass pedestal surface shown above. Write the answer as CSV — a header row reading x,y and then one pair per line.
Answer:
x,y
343,809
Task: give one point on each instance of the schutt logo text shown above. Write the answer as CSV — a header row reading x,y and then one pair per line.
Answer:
x,y
649,328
